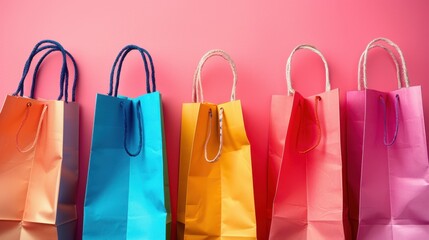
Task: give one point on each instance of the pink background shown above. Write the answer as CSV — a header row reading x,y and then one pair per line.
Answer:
x,y
258,35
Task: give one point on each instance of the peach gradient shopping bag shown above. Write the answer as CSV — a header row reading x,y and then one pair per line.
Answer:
x,y
39,159
215,179
306,164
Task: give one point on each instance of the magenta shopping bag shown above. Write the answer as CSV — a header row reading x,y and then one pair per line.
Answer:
x,y
387,159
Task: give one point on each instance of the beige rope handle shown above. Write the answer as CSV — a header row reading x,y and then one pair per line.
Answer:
x,y
197,90
290,90
209,131
395,61
39,126
398,50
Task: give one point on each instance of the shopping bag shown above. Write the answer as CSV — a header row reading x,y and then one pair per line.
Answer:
x,y
386,133
127,194
216,198
305,153
39,158
355,118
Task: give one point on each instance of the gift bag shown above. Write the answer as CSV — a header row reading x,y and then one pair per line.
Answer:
x,y
305,153
387,151
127,194
215,179
355,117
39,158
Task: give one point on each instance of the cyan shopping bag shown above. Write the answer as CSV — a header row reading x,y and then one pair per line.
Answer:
x,y
127,194
388,160
39,141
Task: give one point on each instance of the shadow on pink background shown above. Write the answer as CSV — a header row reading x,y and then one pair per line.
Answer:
x,y
258,35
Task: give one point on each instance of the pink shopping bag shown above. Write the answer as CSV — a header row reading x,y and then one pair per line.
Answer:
x,y
387,159
305,154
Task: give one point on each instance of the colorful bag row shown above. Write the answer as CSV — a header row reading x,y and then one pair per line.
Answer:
x,y
127,194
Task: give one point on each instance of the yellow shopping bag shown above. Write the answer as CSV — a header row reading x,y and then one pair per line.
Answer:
x,y
215,179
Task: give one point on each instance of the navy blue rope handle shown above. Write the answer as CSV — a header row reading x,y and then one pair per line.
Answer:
x,y
76,73
34,52
37,48
120,59
20,90
139,113
385,120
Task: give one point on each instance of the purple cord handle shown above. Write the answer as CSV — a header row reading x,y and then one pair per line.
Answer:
x,y
385,120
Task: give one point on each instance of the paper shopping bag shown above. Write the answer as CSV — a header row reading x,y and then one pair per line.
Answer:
x,y
127,194
215,179
388,158
355,119
305,155
39,158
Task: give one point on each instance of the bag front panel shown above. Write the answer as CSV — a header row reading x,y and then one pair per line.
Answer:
x,y
325,170
203,196
289,219
238,219
309,201
355,124
15,166
18,125
44,187
106,200
279,121
190,113
394,189
147,216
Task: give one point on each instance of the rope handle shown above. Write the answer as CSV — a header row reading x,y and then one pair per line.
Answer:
x,y
118,63
395,61
290,89
39,126
401,56
319,133
76,73
197,89
139,113
383,101
39,47
209,131
35,51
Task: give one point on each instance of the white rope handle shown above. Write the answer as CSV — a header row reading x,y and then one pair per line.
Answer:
x,y
395,61
290,90
39,126
197,89
209,132
398,50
